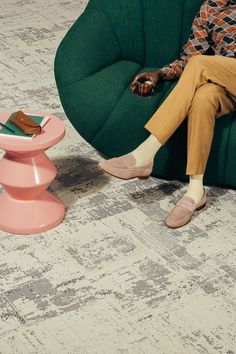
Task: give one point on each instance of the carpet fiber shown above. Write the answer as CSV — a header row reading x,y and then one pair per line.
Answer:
x,y
111,278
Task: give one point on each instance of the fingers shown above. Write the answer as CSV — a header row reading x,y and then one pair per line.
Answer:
x,y
132,87
138,76
141,89
144,89
134,82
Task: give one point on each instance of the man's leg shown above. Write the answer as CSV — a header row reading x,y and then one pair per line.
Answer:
x,y
209,102
198,71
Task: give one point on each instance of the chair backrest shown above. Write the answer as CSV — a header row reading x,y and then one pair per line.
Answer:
x,y
150,32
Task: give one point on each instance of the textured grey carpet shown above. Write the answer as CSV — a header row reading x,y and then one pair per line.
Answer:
x,y
111,278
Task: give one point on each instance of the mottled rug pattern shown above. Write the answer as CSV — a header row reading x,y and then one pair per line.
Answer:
x,y
111,278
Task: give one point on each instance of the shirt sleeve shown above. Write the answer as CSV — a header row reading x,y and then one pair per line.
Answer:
x,y
199,41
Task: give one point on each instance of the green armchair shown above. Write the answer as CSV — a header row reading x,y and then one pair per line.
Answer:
x,y
110,43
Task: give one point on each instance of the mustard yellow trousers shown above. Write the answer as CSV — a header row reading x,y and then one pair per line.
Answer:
x,y
205,91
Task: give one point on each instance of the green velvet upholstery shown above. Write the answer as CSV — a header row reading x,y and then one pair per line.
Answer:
x,y
110,43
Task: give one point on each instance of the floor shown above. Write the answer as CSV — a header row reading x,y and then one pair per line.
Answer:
x,y
111,278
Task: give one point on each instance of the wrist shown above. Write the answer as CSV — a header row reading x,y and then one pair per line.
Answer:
x,y
160,74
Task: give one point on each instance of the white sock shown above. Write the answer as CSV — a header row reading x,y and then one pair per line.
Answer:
x,y
195,187
145,152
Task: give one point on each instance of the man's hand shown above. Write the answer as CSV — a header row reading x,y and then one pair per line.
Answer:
x,y
143,89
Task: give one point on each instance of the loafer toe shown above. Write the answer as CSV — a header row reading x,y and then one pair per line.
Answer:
x,y
124,167
178,217
182,212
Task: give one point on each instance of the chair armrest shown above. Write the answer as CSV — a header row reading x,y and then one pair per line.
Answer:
x,y
89,46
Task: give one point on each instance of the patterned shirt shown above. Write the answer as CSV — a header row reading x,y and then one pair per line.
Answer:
x,y
214,26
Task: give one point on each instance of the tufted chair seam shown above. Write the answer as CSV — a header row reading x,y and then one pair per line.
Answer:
x,y
114,32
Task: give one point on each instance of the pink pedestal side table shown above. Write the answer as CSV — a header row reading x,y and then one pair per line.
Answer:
x,y
26,207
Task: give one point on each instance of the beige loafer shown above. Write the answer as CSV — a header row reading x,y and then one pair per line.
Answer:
x,y
123,167
182,212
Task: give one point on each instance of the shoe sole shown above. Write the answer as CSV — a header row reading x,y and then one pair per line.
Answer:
x,y
176,227
108,173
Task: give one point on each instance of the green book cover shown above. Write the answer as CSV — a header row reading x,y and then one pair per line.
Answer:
x,y
18,132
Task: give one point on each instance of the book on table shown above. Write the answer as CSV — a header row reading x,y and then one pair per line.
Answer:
x,y
19,133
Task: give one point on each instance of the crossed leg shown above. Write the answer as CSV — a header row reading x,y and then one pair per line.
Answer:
x,y
205,90
210,101
199,70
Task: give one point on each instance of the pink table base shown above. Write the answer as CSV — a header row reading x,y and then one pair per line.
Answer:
x,y
26,207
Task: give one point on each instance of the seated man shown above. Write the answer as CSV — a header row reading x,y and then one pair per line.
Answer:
x,y
206,90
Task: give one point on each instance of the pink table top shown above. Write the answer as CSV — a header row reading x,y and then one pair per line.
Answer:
x,y
53,131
